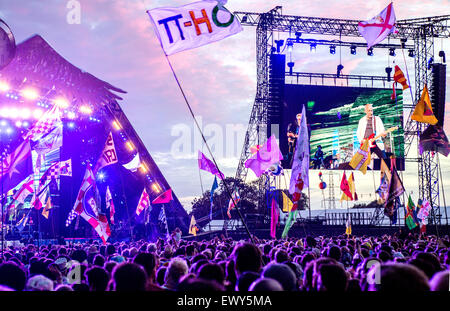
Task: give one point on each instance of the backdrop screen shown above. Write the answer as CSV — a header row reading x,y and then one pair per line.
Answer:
x,y
333,116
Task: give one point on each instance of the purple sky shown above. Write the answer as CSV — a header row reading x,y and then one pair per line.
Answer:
x,y
116,43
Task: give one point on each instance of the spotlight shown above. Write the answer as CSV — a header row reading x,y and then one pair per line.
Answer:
x,y
9,130
25,113
279,44
71,115
244,19
3,123
116,125
442,55
25,124
312,47
290,65
156,187
339,69
130,146
101,176
71,125
297,36
370,52
37,113
353,50
30,94
392,51
18,123
4,87
332,49
430,62
61,102
290,46
411,53
403,41
388,71
85,109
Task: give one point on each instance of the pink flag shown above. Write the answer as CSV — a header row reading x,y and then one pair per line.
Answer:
x,y
379,27
165,197
267,155
144,202
110,205
274,219
207,165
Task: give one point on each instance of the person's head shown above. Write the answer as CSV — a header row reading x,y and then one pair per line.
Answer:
x,y
109,266
149,262
176,269
79,255
247,257
39,283
192,284
97,279
440,281
298,117
99,260
281,256
245,280
63,288
160,274
334,252
282,273
331,278
397,277
368,110
129,277
212,271
264,285
11,275
319,147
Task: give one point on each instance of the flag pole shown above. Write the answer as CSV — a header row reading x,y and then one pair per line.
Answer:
x,y
207,146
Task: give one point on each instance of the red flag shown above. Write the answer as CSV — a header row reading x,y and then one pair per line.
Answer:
x,y
274,219
400,78
345,187
88,181
165,197
144,202
110,205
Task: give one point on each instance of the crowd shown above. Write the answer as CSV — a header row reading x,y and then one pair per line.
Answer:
x,y
339,264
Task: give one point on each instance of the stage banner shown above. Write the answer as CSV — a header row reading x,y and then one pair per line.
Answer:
x,y
193,25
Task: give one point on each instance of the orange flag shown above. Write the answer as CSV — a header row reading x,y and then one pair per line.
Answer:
x,y
400,78
423,111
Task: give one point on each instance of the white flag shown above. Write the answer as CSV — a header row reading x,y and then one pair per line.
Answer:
x,y
300,163
379,27
193,25
134,164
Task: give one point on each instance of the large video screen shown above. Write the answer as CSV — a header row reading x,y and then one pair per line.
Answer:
x,y
337,122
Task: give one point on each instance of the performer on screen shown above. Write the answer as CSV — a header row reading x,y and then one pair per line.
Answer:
x,y
368,125
292,134
318,158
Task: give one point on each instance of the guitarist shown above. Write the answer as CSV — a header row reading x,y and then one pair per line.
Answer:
x,y
371,125
292,134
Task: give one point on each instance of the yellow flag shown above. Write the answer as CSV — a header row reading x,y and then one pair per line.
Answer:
x,y
423,111
287,203
193,226
361,159
47,207
351,185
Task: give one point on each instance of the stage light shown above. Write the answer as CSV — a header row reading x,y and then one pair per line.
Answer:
x,y
411,53
353,50
116,125
9,130
388,71
71,125
3,123
130,146
18,123
403,41
391,52
85,109
4,112
291,66
244,19
312,47
101,176
297,36
279,44
290,46
4,87
339,69
370,52
30,94
156,187
332,49
25,113
71,115
442,55
25,124
37,113
61,102
144,167
430,62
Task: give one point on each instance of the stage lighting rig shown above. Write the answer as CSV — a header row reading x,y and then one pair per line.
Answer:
x,y
332,49
442,55
411,53
279,44
297,36
291,66
388,71
403,41
391,52
353,50
290,46
370,52
430,63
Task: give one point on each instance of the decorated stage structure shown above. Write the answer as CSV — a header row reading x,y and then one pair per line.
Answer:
x,y
57,123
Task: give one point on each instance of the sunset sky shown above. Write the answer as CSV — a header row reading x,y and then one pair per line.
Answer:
x,y
116,43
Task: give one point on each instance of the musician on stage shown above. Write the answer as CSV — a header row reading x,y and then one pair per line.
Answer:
x,y
318,158
372,125
292,134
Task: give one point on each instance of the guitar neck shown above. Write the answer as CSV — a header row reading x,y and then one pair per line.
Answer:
x,y
387,132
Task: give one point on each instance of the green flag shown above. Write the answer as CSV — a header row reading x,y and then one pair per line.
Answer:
x,y
409,217
289,222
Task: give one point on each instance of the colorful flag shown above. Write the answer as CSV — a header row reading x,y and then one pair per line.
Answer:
x,y
16,166
395,190
297,193
434,139
193,226
289,223
144,202
274,219
424,112
108,156
207,165
346,195
300,164
424,211
394,95
383,190
65,168
213,188
110,205
287,203
254,149
361,159
38,200
351,189
165,197
50,140
25,190
49,120
20,225
233,202
47,207
134,164
378,28
267,155
399,77
409,217
192,25
88,182
348,226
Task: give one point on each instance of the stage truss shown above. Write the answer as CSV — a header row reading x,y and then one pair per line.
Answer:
x,y
422,31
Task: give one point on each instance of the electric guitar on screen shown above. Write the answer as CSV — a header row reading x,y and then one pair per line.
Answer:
x,y
373,138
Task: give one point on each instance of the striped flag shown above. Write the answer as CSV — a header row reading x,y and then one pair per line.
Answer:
x,y
399,77
233,202
25,190
361,159
38,200
45,124
47,207
88,181
144,202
